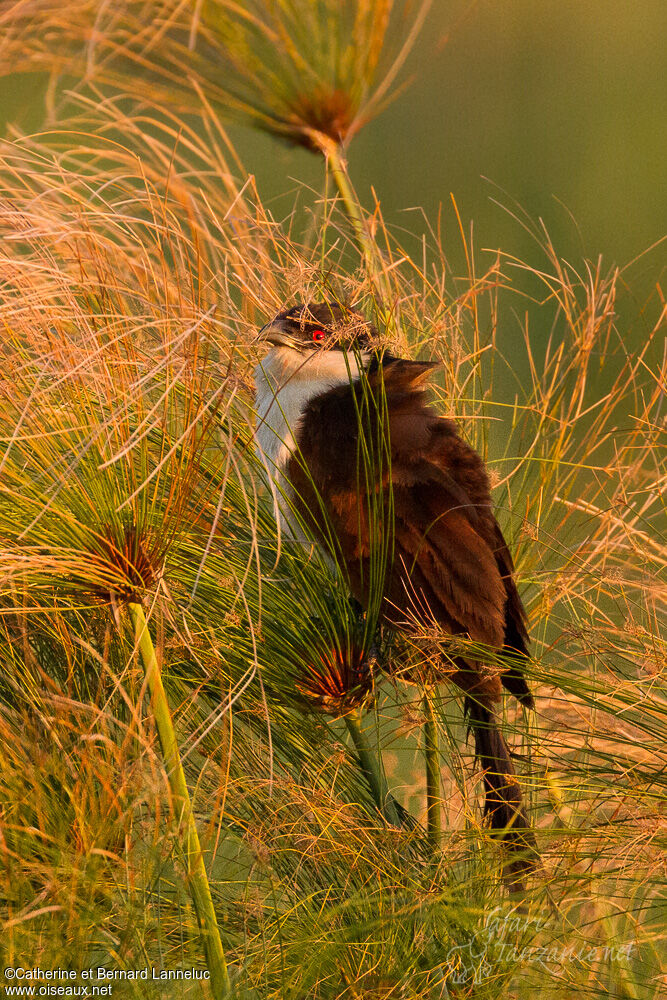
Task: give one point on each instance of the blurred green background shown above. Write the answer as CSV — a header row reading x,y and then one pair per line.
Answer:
x,y
562,104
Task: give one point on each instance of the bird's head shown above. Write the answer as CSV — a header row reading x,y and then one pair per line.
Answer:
x,y
317,327
313,347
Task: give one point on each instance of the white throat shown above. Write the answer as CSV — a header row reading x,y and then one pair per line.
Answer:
x,y
285,382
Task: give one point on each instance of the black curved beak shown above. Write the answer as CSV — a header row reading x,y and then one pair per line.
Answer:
x,y
274,334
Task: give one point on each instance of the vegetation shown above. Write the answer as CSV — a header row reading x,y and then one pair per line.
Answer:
x,y
136,265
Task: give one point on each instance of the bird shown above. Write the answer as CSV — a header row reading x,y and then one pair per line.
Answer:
x,y
325,398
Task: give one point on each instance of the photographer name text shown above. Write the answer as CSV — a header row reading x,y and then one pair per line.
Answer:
x,y
38,982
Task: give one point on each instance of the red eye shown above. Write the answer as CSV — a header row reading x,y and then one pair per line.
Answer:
x,y
318,334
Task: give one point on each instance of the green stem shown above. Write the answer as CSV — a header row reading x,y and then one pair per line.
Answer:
x,y
372,768
432,759
351,205
197,878
333,154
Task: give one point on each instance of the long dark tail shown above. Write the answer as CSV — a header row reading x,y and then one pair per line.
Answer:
x,y
503,800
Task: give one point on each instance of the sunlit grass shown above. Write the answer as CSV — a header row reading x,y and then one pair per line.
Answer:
x,y
132,289
311,74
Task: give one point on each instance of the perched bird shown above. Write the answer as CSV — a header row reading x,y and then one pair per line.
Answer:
x,y
326,400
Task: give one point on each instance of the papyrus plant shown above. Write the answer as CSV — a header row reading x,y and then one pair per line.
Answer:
x,y
105,412
575,451
311,74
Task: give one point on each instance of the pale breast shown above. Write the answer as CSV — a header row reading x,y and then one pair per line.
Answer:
x,y
285,382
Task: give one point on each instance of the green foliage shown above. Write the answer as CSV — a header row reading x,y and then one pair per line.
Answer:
x,y
306,72
132,285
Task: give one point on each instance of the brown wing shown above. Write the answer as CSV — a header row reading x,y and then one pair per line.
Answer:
x,y
449,562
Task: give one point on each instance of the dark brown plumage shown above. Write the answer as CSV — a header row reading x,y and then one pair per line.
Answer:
x,y
427,492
